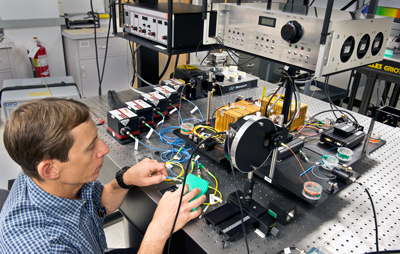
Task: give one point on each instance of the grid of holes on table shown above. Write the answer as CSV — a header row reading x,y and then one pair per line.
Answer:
x,y
343,225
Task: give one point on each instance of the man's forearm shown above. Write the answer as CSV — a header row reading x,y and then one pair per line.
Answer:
x,y
154,240
112,196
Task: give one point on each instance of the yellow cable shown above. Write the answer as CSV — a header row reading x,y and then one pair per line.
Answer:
x,y
176,164
180,149
51,96
220,196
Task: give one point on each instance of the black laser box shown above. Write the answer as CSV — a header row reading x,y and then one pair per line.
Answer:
x,y
141,108
195,82
122,119
156,100
329,137
168,92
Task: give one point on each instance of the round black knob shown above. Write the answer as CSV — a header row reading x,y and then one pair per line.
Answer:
x,y
292,32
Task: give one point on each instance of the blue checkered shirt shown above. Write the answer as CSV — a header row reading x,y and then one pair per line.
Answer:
x,y
34,221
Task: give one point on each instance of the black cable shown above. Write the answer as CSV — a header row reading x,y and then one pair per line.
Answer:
x,y
312,2
184,182
165,68
176,61
328,95
105,55
376,220
237,194
212,116
266,107
95,44
133,57
205,57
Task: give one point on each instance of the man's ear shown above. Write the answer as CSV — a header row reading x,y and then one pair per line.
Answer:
x,y
48,170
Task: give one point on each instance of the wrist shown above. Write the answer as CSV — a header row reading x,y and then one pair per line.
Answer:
x,y
161,234
125,178
121,178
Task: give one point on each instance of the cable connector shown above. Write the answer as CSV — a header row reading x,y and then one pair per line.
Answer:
x,y
204,211
174,179
124,131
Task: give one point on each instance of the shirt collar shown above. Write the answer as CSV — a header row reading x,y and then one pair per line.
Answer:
x,y
67,209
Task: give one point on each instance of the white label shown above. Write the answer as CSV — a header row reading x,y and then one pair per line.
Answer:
x,y
267,179
136,144
197,157
193,110
149,134
169,89
169,166
259,233
172,111
162,91
41,62
122,113
287,250
358,133
125,122
158,96
346,127
160,122
212,202
234,225
137,104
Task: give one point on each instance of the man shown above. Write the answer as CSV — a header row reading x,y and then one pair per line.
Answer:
x,y
56,203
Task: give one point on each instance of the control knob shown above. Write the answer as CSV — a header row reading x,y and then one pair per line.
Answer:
x,y
292,31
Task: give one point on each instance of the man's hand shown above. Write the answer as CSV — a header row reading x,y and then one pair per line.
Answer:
x,y
160,227
145,173
166,211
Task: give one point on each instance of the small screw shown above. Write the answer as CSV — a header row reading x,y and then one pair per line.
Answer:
x,y
333,59
337,37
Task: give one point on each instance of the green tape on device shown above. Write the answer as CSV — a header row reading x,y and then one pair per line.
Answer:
x,y
195,182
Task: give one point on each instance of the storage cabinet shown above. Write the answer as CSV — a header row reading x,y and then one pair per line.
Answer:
x,y
7,65
80,60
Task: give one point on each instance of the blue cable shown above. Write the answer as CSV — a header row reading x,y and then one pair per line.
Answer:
x,y
179,114
307,170
197,109
175,142
151,147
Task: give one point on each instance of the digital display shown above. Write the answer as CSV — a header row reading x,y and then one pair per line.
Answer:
x,y
264,21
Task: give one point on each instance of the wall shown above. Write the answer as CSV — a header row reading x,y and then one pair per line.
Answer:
x,y
81,6
49,35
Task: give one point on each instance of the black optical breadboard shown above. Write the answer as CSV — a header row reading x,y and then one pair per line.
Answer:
x,y
329,137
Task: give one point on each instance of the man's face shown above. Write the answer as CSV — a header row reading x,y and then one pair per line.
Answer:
x,y
85,157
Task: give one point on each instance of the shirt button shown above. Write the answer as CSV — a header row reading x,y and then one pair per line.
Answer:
x,y
99,233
